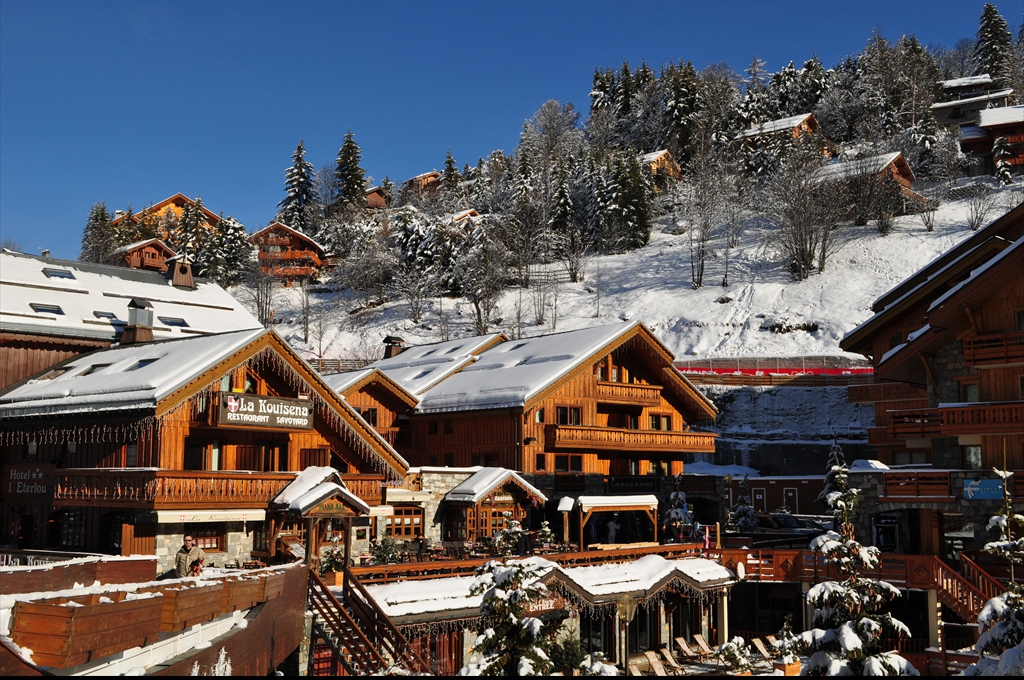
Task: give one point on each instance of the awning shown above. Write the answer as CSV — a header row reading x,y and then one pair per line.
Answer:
x,y
197,516
638,502
565,504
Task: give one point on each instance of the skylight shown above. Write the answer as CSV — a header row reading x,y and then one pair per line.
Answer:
x,y
173,321
40,308
142,363
55,373
427,354
105,315
454,349
92,369
424,374
58,273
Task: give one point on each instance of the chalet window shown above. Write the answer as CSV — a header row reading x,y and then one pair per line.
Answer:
x,y
432,427
370,416
260,538
92,369
251,384
972,457
600,372
1020,321
131,455
213,462
449,460
58,273
569,463
209,536
569,415
661,422
175,321
433,461
478,461
1021,392
72,528
406,522
969,392
32,448
538,417
542,463
449,426
39,308
615,374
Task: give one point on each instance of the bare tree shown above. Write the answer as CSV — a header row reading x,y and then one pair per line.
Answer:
x,y
323,318
927,213
481,269
948,161
306,305
370,262
260,284
539,293
703,202
981,203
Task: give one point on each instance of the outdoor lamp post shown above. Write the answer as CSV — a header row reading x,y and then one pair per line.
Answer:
x,y
626,609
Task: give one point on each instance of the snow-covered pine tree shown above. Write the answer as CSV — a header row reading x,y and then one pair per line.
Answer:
x,y
98,237
191,232
993,47
387,187
233,254
848,619
513,643
451,191
349,177
1001,155
125,231
506,541
209,260
735,655
545,534
299,195
741,515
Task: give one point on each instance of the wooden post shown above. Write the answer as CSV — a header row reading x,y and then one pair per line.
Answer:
x,y
347,523
310,540
565,528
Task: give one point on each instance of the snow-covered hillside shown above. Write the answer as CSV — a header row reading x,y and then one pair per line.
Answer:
x,y
652,285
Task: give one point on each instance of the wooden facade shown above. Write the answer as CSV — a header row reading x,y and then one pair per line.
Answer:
x,y
152,254
287,254
100,483
167,213
22,355
623,411
380,401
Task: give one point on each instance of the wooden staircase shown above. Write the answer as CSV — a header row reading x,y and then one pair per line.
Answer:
x,y
965,593
359,634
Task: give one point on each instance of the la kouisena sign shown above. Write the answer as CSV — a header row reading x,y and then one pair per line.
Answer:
x,y
253,410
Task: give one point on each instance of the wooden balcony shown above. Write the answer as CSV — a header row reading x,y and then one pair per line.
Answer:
x,y
195,490
995,349
1005,417
923,423
630,394
869,394
911,486
574,438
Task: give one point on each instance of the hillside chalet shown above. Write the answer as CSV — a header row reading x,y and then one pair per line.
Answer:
x,y
287,254
977,141
151,254
51,310
663,164
123,450
965,98
891,166
947,346
375,199
167,214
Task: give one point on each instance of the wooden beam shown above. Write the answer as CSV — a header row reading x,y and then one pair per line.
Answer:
x,y
970,317
928,370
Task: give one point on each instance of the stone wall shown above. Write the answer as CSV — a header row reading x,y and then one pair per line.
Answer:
x,y
238,548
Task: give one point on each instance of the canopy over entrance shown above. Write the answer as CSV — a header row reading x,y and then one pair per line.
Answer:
x,y
646,503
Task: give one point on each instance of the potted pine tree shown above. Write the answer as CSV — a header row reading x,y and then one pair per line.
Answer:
x,y
787,644
735,655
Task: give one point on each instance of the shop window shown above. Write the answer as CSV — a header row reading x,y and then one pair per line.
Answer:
x,y
569,415
210,536
542,463
405,523
569,463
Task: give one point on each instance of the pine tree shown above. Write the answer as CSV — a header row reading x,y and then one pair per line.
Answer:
x,y
1000,155
349,177
97,238
126,230
993,47
741,515
192,231
387,188
298,186
236,253
451,191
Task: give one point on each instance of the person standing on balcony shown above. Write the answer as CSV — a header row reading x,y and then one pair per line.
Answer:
x,y
189,559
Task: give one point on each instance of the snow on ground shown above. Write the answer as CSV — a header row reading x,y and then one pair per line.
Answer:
x,y
652,285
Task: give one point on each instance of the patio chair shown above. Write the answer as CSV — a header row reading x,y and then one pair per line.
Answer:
x,y
655,664
772,642
706,649
671,663
635,670
686,650
766,656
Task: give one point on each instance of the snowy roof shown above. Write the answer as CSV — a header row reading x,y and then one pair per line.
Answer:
x,y
1009,252
587,503
968,132
719,470
856,168
139,244
644,577
419,368
343,382
654,155
314,485
983,79
120,378
410,598
474,489
566,503
83,300
1005,115
776,125
973,100
508,375
281,225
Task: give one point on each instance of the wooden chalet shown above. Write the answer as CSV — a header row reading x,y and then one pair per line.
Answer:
x,y
977,141
791,127
167,214
288,254
151,254
891,166
375,199
123,450
51,310
963,100
663,164
947,347
425,183
378,399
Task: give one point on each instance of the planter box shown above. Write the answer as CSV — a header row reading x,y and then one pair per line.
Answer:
x,y
273,585
787,668
65,636
334,578
186,604
242,592
125,571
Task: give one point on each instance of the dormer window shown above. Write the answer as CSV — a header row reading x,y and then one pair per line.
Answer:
x,y
173,321
142,363
92,369
110,316
39,308
58,273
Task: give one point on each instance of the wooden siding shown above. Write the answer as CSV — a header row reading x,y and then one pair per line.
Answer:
x,y
22,356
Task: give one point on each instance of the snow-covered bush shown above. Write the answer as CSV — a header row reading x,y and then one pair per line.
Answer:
x,y
787,644
735,655
506,541
545,534
849,623
741,515
513,643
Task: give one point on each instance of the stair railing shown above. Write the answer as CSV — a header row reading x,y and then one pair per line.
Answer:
x,y
350,636
957,593
981,579
379,626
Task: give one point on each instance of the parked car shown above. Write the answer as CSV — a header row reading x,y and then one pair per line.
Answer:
x,y
782,523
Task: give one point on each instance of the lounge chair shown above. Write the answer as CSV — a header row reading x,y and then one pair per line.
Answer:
x,y
688,651
772,642
655,663
766,656
635,670
671,663
706,649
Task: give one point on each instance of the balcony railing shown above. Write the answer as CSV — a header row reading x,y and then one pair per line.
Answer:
x,y
574,437
962,419
168,489
997,348
914,485
857,394
626,393
197,490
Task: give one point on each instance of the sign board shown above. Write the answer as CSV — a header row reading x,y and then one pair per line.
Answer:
x,y
549,603
639,484
983,489
331,507
26,482
253,410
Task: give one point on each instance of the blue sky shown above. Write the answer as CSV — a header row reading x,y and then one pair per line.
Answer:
x,y
131,102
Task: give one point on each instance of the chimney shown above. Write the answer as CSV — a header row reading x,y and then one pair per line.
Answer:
x,y
118,214
45,253
393,346
140,322
180,269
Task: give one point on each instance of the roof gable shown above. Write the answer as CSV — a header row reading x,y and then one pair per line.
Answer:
x,y
347,384
176,203
481,483
420,367
278,226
